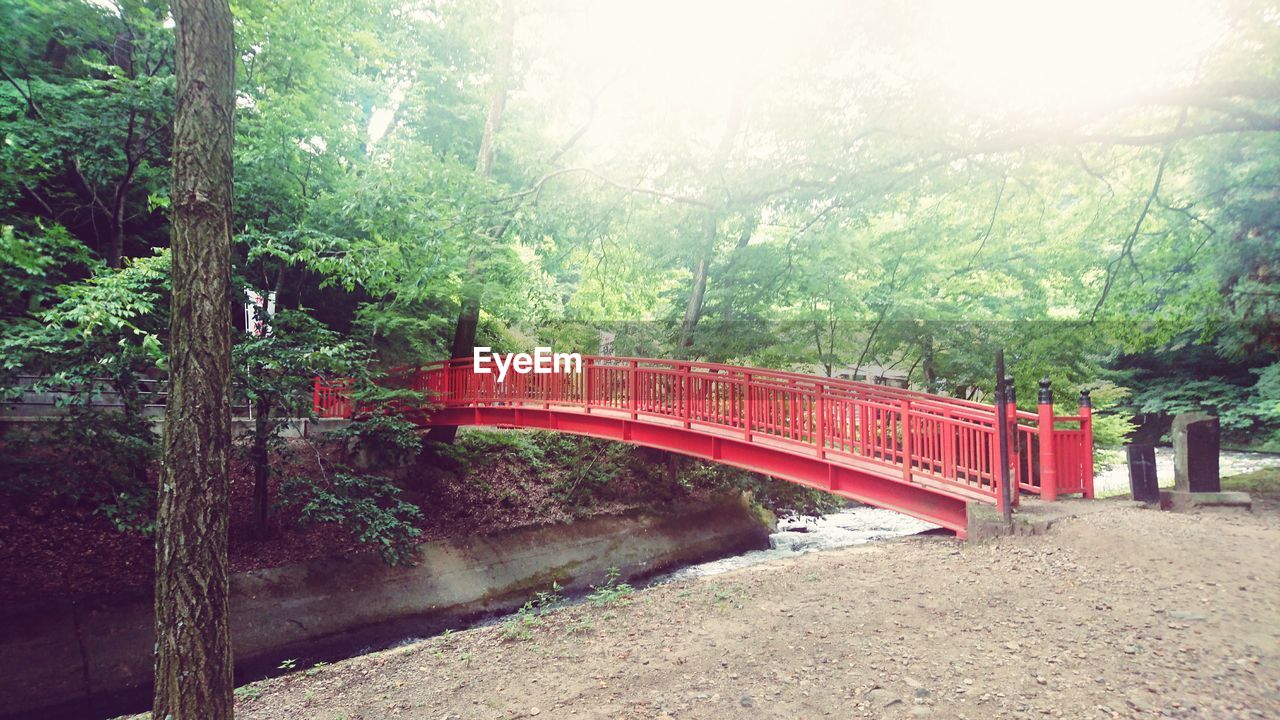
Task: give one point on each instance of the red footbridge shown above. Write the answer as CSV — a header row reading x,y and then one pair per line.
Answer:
x,y
928,456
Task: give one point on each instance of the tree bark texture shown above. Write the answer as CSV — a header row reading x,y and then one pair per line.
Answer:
x,y
193,668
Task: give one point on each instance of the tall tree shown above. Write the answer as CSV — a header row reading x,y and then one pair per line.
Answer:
x,y
193,672
464,333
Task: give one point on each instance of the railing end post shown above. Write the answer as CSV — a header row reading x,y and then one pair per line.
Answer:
x,y
1046,392
1048,454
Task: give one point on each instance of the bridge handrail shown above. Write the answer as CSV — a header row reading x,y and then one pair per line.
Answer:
x,y
928,437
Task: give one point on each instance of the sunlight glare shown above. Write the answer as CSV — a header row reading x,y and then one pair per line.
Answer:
x,y
1026,55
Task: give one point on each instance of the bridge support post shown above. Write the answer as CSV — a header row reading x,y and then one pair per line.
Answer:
x,y
1048,456
747,413
1086,425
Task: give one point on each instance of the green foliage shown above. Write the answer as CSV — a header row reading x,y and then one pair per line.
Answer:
x,y
1261,409
1248,413
828,215
91,457
529,617
107,326
476,448
278,367
610,592
1112,426
369,505
585,472
96,348
784,499
384,437
34,264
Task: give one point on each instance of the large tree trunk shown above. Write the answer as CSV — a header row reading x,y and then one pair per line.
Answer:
x,y
698,292
193,669
464,332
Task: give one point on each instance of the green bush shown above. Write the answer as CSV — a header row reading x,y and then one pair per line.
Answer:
x,y
369,505
476,448
102,457
1111,424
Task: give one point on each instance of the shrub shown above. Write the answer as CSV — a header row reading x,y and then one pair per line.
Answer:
x,y
102,460
369,505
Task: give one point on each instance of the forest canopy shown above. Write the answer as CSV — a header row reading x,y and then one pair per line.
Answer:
x,y
820,186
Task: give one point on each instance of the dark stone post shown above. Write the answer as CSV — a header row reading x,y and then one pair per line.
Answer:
x,y
1195,453
1142,473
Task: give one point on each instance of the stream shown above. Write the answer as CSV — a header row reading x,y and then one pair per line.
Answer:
x,y
851,526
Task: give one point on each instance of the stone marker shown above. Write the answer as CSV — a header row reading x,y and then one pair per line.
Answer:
x,y
1142,473
1195,453
1195,467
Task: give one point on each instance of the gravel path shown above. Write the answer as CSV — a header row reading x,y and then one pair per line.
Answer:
x,y
1124,612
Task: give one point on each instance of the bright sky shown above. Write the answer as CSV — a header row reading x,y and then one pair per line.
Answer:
x,y
1002,56
681,58
1024,53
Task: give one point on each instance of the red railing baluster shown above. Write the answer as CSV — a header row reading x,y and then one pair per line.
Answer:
x,y
821,410
687,385
906,440
632,387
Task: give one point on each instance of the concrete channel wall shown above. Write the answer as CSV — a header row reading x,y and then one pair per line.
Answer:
x,y
93,657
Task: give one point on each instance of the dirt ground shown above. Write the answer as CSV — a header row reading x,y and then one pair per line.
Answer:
x,y
1123,612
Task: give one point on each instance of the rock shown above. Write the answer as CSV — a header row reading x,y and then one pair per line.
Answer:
x,y
1186,615
921,711
746,701
882,697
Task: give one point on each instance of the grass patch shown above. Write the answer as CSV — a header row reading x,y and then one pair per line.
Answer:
x,y
1259,482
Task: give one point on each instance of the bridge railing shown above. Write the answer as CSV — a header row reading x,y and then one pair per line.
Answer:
x,y
947,443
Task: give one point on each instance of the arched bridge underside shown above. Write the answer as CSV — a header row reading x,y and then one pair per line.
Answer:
x,y
924,455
